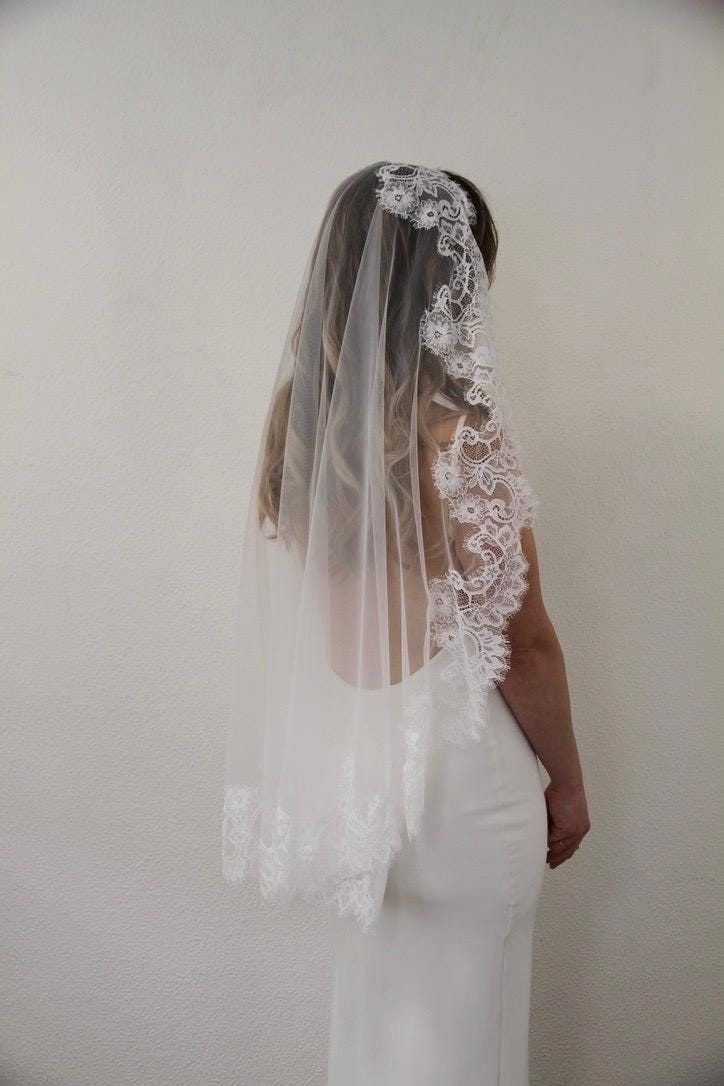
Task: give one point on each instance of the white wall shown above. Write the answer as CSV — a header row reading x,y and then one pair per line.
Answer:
x,y
165,165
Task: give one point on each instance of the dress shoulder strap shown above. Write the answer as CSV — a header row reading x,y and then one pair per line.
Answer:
x,y
461,423
441,398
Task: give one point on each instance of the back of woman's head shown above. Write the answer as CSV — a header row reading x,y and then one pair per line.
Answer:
x,y
375,271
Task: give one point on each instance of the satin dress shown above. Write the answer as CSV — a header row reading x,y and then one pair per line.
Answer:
x,y
438,992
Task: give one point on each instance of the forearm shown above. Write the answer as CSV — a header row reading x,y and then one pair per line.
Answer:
x,y
536,690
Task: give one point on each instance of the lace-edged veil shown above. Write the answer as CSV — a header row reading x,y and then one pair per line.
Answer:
x,y
382,555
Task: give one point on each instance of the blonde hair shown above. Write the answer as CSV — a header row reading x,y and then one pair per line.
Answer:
x,y
409,390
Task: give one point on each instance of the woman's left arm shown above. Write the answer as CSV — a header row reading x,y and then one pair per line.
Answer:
x,y
536,689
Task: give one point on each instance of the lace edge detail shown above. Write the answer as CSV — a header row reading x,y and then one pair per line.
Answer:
x,y
286,862
469,612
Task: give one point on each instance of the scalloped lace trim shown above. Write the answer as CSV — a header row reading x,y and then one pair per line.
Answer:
x,y
346,864
343,865
469,612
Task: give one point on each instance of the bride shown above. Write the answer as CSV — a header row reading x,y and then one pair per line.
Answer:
x,y
398,678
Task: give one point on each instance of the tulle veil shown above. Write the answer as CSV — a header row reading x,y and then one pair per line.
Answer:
x,y
382,555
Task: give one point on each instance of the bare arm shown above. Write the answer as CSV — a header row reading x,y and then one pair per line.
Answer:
x,y
536,689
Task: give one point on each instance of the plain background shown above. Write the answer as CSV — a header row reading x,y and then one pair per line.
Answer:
x,y
165,165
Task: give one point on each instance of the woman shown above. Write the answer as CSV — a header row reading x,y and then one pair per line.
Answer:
x,y
398,674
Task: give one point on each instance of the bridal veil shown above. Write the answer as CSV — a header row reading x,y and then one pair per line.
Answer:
x,y
384,526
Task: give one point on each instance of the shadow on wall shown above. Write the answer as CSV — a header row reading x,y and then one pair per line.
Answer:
x,y
571,957
601,919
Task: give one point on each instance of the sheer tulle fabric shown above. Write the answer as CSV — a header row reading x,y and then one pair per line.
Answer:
x,y
392,502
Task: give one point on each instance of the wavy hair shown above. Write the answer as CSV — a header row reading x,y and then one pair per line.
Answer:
x,y
403,246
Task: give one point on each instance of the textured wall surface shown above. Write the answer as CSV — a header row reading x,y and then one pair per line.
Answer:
x,y
165,165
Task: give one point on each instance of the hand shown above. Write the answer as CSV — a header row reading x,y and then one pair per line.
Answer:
x,y
568,821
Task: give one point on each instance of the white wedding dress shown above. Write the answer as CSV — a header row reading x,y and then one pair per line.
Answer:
x,y
438,993
384,540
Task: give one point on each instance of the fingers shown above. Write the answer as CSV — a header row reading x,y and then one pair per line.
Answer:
x,y
556,861
561,850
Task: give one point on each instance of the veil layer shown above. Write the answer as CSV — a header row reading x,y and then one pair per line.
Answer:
x,y
382,555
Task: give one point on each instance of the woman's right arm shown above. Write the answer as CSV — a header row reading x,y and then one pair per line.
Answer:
x,y
536,689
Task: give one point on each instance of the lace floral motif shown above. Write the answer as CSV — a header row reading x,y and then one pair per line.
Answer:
x,y
241,813
416,715
343,859
344,863
479,473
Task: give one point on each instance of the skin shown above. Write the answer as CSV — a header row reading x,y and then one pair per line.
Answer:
x,y
535,686
536,690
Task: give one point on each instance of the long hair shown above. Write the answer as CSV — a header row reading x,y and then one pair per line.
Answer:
x,y
403,246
